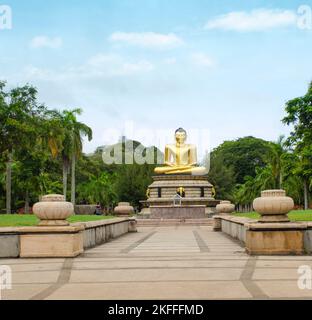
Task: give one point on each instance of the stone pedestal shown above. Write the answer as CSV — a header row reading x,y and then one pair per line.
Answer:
x,y
275,238
171,212
274,234
51,242
196,192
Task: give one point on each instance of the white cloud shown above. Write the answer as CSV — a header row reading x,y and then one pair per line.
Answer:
x,y
148,39
46,42
201,59
100,66
170,61
255,20
32,72
116,65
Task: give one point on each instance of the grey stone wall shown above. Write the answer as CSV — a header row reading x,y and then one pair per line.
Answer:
x,y
98,233
236,228
308,241
95,233
9,246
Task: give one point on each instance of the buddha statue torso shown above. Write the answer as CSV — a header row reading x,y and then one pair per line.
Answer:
x,y
181,157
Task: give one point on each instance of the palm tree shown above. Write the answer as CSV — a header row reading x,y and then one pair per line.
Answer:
x,y
72,146
53,137
64,137
275,159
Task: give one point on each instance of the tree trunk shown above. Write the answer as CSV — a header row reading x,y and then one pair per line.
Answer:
x,y
27,208
73,180
306,194
65,173
8,186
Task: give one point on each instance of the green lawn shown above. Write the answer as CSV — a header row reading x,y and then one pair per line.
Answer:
x,y
297,215
16,220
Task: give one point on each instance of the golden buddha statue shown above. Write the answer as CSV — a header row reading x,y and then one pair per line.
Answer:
x,y
181,157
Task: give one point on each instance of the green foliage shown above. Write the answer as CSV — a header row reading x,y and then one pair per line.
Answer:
x,y
20,118
234,162
245,193
299,115
98,190
244,155
277,174
132,182
221,176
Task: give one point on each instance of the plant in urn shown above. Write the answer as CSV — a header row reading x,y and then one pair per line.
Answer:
x,y
273,206
53,210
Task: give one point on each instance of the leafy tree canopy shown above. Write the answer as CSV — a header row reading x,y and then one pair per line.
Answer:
x,y
243,155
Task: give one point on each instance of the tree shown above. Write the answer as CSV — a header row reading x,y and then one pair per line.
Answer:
x,y
132,180
98,190
18,126
72,144
292,183
243,155
221,176
275,159
245,193
299,115
60,140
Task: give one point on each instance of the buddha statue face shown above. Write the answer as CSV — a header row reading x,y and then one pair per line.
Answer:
x,y
180,136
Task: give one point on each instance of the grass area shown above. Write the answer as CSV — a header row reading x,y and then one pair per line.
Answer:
x,y
296,215
16,220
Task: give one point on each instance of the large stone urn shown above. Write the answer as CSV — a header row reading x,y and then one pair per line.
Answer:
x,y
124,209
225,207
53,210
273,206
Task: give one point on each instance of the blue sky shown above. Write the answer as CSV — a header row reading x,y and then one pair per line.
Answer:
x,y
228,66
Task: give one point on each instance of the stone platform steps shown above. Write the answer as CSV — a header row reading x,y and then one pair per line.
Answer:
x,y
174,222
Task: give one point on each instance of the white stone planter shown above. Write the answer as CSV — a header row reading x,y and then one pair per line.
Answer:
x,y
124,209
53,210
225,207
273,206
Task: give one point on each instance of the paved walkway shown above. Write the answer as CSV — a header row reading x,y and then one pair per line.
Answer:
x,y
160,263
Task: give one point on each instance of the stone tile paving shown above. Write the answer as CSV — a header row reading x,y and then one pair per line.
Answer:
x,y
160,263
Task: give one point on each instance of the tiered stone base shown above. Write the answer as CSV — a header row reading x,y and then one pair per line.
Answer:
x,y
197,202
170,212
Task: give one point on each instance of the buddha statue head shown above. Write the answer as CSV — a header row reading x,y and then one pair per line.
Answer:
x,y
180,136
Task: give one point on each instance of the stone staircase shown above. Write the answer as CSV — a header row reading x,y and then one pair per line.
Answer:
x,y
174,222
